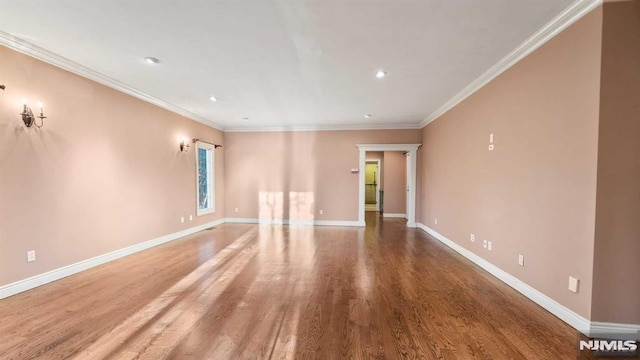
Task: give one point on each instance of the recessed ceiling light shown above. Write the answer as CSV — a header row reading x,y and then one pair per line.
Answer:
x,y
380,74
213,98
368,116
151,60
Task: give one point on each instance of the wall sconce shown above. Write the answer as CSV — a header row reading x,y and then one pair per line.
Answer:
x,y
30,119
184,146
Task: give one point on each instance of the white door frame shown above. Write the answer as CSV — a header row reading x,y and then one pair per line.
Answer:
x,y
412,151
377,180
406,182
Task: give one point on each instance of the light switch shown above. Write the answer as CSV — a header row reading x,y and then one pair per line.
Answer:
x,y
573,284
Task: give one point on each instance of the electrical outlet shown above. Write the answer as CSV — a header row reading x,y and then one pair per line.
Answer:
x,y
182,219
436,221
573,284
521,260
190,217
236,209
491,147
472,238
489,246
31,256
321,212
484,243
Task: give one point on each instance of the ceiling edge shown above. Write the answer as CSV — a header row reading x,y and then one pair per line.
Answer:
x,y
324,128
560,22
54,59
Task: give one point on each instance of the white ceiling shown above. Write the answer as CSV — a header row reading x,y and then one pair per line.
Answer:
x,y
286,63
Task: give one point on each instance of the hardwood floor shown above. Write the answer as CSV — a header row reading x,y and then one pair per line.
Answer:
x,y
248,291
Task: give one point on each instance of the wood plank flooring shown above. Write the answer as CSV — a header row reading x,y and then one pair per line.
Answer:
x,y
256,292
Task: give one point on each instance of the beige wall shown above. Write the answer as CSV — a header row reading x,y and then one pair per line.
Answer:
x,y
374,155
395,190
103,173
313,165
616,295
535,193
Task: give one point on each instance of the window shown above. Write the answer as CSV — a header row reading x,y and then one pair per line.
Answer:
x,y
205,178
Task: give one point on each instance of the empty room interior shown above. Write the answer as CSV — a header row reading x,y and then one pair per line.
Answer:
x,y
319,179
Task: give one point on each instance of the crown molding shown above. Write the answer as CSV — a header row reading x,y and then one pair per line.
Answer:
x,y
568,16
54,59
560,22
324,127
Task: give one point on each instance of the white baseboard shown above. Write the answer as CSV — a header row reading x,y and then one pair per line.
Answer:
x,y
392,215
338,223
547,303
565,314
53,275
616,330
242,220
294,222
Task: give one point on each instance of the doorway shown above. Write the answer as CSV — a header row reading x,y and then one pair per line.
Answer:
x,y
372,172
411,178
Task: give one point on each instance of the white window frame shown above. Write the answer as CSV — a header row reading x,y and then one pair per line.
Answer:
x,y
211,177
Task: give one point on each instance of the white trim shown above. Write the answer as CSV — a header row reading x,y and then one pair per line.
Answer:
x,y
337,223
571,14
324,128
573,319
568,16
362,159
388,147
412,153
601,329
242,220
212,186
54,59
53,275
393,215
565,314
293,222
